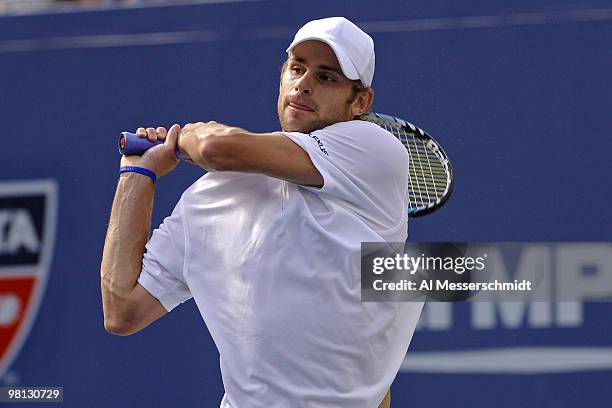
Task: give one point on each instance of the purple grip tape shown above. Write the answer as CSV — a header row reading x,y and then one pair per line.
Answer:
x,y
131,143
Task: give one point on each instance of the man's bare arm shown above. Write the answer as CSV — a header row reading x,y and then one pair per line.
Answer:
x,y
127,306
386,402
218,147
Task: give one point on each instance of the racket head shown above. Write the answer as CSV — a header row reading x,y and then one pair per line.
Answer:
x,y
430,174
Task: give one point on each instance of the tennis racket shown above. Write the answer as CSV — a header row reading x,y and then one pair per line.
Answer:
x,y
430,176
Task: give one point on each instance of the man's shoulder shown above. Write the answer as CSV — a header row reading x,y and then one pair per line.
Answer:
x,y
364,133
357,125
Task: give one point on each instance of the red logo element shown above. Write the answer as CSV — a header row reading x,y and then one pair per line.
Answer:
x,y
28,212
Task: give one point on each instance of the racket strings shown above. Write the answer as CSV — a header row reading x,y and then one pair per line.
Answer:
x,y
426,174
429,177
419,193
413,200
430,172
422,169
419,185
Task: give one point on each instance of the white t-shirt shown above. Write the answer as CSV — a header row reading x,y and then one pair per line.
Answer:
x,y
274,269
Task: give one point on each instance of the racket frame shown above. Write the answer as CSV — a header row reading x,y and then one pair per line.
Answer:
x,y
395,126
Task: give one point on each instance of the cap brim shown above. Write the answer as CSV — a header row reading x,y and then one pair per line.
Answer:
x,y
348,69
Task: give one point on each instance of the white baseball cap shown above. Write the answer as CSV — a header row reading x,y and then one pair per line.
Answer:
x,y
352,46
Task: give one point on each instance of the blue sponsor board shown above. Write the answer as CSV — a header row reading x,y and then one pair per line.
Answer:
x,y
522,353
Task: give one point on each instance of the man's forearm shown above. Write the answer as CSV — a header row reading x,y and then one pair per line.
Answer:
x,y
386,402
217,147
208,144
127,235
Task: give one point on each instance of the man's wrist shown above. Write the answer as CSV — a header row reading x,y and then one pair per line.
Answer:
x,y
124,171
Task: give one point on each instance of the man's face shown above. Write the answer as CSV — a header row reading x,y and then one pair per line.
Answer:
x,y
313,91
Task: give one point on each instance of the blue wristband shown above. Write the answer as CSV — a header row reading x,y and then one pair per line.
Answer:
x,y
139,170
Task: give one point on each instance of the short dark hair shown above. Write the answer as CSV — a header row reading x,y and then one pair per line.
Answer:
x,y
358,87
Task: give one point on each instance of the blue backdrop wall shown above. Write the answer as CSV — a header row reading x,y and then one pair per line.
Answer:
x,y
517,92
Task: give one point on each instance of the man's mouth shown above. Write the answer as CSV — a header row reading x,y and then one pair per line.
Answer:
x,y
299,106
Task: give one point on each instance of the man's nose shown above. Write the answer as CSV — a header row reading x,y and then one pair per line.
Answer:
x,y
304,84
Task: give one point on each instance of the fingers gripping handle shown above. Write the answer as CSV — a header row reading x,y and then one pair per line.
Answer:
x,y
130,143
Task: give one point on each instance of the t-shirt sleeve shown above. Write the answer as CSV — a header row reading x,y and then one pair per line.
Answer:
x,y
162,265
361,163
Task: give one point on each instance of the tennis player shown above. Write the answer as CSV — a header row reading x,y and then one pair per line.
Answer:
x,y
267,243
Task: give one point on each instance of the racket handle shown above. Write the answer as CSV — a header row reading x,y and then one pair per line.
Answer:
x,y
131,143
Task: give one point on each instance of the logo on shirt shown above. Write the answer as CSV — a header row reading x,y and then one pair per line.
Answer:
x,y
320,143
28,212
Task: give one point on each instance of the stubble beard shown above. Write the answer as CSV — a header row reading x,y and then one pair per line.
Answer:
x,y
310,125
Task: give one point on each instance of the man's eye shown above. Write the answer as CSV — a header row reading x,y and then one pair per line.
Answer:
x,y
326,78
296,69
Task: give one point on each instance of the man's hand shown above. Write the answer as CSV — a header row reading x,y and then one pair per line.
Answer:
x,y
160,159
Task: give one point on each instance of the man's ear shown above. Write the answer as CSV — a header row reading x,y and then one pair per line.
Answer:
x,y
363,102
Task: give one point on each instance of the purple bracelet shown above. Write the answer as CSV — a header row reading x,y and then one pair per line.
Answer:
x,y
139,170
